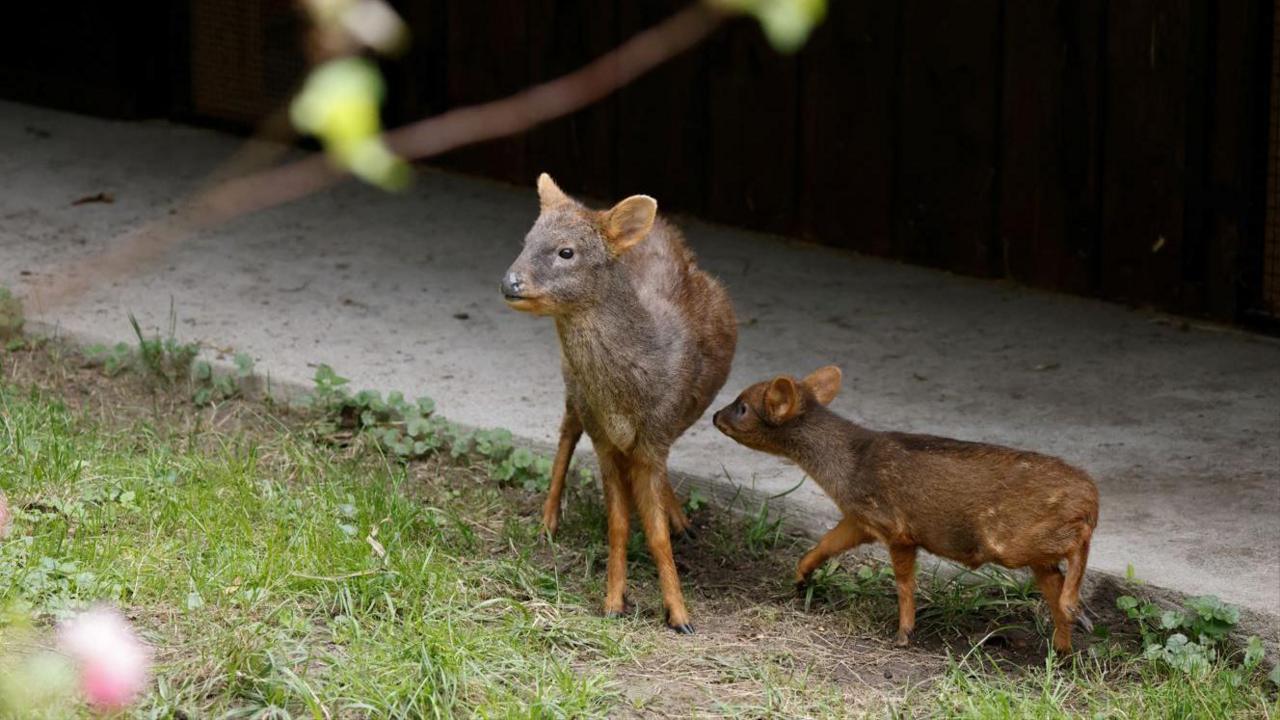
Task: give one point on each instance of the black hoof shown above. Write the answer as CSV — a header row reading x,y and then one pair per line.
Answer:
x,y
685,629
689,534
802,588
1084,622
626,609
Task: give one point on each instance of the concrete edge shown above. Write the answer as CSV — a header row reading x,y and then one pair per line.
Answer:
x,y
741,500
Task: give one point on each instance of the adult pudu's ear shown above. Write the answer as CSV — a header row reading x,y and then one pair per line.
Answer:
x,y
629,222
781,400
824,383
549,194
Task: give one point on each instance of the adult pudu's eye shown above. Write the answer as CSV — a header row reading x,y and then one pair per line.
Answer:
x,y
741,409
566,253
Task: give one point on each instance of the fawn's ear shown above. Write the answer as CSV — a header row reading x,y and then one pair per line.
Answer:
x,y
781,400
629,222
825,383
549,194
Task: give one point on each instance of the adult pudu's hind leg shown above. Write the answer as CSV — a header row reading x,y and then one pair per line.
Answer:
x,y
844,535
648,477
617,500
570,433
904,574
1049,580
680,524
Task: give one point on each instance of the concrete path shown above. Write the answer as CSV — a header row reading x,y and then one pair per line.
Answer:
x,y
1180,425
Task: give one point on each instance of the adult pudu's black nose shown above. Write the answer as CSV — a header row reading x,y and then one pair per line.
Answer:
x,y
512,285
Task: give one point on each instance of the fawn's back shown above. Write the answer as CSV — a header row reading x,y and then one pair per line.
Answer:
x,y
971,502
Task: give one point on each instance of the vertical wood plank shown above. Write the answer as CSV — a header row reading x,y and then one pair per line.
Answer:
x,y
577,150
662,121
752,130
947,177
1049,215
487,61
417,82
847,127
1235,145
1147,44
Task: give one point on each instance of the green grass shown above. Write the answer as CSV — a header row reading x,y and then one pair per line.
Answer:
x,y
1114,688
253,568
280,577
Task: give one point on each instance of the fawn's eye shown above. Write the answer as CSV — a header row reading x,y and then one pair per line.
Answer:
x,y
741,409
566,253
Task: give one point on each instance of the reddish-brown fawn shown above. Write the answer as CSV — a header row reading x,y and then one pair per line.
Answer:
x,y
646,341
969,502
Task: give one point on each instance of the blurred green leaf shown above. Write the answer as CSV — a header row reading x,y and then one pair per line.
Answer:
x,y
339,105
787,23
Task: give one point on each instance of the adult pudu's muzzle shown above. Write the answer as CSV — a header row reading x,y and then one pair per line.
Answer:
x,y
521,294
513,286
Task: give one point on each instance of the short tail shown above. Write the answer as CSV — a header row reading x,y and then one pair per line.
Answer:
x,y
1077,559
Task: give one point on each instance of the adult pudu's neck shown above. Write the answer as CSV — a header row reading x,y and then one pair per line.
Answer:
x,y
614,313
826,445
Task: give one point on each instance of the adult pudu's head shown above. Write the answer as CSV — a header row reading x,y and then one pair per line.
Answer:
x,y
767,415
571,250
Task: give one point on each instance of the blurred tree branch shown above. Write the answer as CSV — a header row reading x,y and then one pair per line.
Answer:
x,y
226,197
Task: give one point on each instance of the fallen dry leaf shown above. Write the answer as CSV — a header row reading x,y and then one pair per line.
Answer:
x,y
102,197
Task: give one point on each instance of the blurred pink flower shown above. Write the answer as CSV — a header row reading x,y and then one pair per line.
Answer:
x,y
114,665
6,518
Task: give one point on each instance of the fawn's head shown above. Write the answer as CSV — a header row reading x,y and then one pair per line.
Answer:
x,y
764,413
569,251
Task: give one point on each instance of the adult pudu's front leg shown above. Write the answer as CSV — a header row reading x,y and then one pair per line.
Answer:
x,y
846,534
617,500
570,433
648,476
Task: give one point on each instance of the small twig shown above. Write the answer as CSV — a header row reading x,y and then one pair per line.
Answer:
x,y
340,578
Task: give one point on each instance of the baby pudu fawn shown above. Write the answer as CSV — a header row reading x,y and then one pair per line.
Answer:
x,y
646,340
969,502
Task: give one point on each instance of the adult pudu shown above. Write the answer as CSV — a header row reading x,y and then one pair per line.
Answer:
x,y
646,341
969,502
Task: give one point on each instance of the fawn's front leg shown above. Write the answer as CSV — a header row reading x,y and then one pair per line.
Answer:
x,y
846,534
904,573
570,433
648,476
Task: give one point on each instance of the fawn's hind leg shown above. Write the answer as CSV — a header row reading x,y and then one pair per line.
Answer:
x,y
1049,580
904,573
618,507
843,536
570,433
1069,600
648,477
1077,559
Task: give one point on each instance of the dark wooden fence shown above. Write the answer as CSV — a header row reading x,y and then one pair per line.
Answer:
x,y
1113,149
